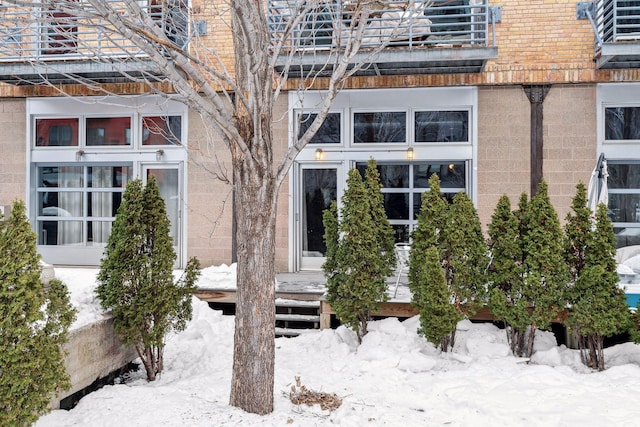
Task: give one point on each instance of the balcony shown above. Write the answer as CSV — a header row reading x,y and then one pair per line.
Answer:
x,y
616,24
39,44
439,36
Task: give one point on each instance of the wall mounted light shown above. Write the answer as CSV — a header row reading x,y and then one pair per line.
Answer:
x,y
410,153
319,154
159,154
79,155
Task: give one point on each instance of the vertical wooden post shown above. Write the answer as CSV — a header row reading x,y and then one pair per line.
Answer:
x,y
325,315
536,95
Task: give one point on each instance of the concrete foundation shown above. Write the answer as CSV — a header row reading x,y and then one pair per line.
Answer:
x,y
93,352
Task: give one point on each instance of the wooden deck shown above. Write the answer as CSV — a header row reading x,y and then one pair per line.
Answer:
x,y
393,308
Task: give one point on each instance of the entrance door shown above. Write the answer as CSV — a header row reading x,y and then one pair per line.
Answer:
x,y
318,188
168,178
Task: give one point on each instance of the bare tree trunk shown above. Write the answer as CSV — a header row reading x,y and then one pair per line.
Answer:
x,y
146,355
254,346
448,342
530,340
516,339
599,347
595,348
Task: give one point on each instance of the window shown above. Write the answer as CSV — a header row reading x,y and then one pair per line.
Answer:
x,y
108,131
60,35
173,17
56,132
624,201
330,131
412,133
80,164
441,126
316,28
404,183
619,141
162,130
622,123
77,204
380,127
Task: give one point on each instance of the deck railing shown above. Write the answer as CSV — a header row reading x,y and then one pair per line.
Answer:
x,y
616,20
407,23
48,34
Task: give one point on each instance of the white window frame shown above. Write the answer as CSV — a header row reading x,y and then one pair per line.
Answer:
x,y
620,151
399,99
135,154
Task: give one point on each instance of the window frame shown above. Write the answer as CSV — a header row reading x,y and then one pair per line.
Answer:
x,y
612,95
296,128
415,111
134,155
382,109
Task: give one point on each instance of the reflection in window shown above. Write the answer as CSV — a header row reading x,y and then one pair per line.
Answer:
x,y
317,27
379,127
161,130
108,131
391,175
622,123
329,132
71,198
173,17
624,201
56,132
404,183
60,33
452,175
442,126
320,189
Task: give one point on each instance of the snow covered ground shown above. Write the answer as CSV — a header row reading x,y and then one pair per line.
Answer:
x,y
394,378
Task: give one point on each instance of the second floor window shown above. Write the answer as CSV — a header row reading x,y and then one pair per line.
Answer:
x,y
60,34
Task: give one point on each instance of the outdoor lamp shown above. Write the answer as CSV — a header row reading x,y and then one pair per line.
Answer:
x,y
319,153
410,153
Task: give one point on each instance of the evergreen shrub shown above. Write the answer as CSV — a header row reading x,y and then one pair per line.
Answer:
x,y
136,278
34,321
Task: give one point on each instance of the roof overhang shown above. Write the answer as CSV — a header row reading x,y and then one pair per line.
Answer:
x,y
76,71
429,60
618,55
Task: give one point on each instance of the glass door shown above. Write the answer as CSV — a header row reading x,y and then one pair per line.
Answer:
x,y
318,188
168,178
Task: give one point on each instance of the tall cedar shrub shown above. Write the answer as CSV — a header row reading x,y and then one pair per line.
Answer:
x,y
467,257
577,231
598,306
34,321
431,297
546,273
136,279
455,231
360,252
506,274
431,221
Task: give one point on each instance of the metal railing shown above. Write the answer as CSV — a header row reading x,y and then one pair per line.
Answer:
x,y
406,23
616,20
41,33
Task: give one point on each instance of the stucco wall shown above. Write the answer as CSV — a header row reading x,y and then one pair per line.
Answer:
x,y
209,193
504,135
570,142
503,147
12,150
